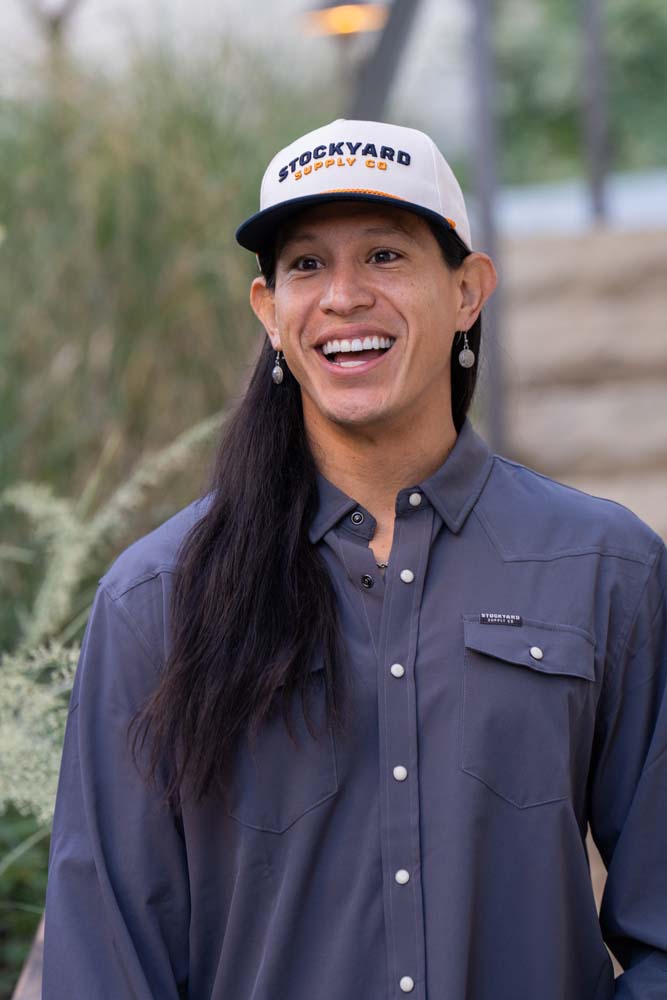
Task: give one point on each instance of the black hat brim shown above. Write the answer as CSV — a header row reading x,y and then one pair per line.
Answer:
x,y
259,231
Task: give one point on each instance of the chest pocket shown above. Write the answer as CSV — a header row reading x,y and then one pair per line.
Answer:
x,y
274,782
520,709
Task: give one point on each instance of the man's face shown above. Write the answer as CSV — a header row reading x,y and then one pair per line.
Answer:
x,y
355,275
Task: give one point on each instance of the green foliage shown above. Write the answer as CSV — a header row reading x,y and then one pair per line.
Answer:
x,y
37,677
123,324
123,295
22,889
539,60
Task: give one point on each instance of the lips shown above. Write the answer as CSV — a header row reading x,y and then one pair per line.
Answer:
x,y
354,352
352,364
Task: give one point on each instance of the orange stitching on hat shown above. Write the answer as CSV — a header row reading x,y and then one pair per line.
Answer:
x,y
382,194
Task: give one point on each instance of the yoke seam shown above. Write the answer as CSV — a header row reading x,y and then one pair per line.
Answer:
x,y
134,628
606,552
115,592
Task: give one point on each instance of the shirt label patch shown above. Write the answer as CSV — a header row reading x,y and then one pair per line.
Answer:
x,y
499,618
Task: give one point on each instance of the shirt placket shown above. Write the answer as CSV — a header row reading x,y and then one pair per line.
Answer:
x,y
391,608
398,746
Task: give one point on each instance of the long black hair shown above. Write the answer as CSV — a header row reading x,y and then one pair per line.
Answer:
x,y
252,602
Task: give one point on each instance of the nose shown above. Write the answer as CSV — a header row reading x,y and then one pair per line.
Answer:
x,y
345,290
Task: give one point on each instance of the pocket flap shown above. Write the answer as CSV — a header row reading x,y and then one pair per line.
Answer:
x,y
565,649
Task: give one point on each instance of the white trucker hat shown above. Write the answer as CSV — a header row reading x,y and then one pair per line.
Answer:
x,y
357,161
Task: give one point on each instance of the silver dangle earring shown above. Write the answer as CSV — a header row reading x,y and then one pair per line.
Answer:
x,y
277,374
466,356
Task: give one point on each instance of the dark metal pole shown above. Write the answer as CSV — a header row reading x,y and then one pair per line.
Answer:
x,y
378,72
486,155
595,119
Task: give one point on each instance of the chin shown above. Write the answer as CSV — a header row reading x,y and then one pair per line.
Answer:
x,y
351,409
351,417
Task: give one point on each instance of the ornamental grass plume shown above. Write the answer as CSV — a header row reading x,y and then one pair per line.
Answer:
x,y
36,678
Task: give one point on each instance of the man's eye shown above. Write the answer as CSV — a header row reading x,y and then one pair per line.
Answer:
x,y
306,264
384,256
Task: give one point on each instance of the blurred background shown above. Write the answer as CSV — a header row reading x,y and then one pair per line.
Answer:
x,y
133,135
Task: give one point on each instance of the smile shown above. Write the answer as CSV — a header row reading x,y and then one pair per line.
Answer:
x,y
367,349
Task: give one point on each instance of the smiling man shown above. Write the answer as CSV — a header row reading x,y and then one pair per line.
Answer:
x,y
365,308
340,726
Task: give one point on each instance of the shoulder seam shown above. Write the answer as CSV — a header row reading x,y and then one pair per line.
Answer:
x,y
607,551
565,486
632,617
119,590
133,627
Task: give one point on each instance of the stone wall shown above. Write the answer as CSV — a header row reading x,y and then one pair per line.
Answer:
x,y
585,352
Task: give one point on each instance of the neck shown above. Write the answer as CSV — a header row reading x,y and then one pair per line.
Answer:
x,y
373,464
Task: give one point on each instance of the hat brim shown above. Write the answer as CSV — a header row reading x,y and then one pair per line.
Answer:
x,y
258,232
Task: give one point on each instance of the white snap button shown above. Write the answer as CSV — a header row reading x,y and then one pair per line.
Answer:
x,y
397,669
400,772
415,499
536,652
407,576
402,876
407,984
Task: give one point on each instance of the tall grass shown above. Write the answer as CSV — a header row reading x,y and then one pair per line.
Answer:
x,y
123,324
123,296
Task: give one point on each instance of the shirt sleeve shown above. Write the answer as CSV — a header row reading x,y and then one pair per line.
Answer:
x,y
117,900
628,815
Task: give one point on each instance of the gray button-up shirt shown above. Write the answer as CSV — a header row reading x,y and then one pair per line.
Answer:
x,y
508,688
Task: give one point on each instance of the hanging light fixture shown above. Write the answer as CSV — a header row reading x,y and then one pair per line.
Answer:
x,y
333,18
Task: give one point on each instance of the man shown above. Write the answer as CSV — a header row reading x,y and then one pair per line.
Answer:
x,y
378,680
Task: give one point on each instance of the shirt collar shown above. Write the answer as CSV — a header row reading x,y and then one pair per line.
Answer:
x,y
453,489
332,506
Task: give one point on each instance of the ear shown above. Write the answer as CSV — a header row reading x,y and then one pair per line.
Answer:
x,y
264,308
477,280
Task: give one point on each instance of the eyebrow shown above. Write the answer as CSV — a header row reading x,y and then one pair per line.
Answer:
x,y
386,230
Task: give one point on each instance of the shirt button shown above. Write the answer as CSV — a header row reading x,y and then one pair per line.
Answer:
x,y
400,772
357,517
407,576
407,984
367,581
415,499
397,669
536,652
402,876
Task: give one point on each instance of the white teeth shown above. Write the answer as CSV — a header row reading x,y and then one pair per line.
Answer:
x,y
350,364
367,344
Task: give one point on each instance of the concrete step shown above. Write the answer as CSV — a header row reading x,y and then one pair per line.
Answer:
x,y
600,430
584,346
585,308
